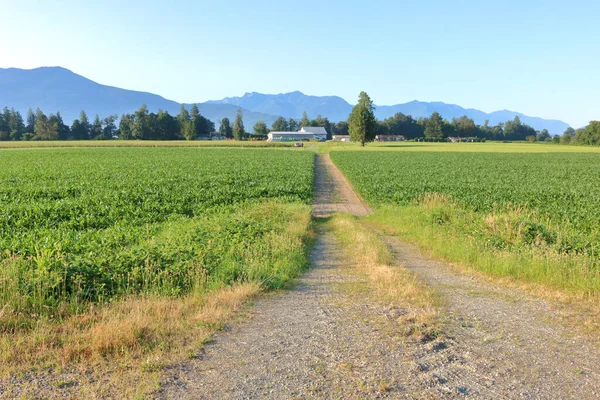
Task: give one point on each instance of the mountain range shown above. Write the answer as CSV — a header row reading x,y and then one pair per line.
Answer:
x,y
55,89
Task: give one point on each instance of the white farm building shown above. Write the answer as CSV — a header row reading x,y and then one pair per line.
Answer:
x,y
304,134
319,132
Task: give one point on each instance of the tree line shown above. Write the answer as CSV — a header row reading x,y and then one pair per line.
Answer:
x,y
363,127
140,125
190,125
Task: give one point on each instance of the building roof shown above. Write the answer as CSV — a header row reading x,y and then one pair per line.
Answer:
x,y
314,129
285,133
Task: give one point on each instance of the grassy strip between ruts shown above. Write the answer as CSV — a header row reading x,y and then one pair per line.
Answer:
x,y
388,281
119,349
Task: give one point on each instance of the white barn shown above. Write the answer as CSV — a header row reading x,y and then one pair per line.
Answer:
x,y
319,132
289,136
305,134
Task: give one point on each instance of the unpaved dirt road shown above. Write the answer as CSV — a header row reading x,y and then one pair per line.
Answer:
x,y
316,341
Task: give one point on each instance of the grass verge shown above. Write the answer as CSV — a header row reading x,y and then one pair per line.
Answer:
x,y
119,348
503,246
387,281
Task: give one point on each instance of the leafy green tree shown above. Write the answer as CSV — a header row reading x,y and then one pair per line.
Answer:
x,y
543,135
202,126
166,126
465,127
556,139
340,128
238,126
434,127
63,130
109,130
125,127
566,138
189,131
260,128
4,129
96,129
184,121
44,128
292,125
141,124
280,125
305,121
449,129
400,124
86,127
324,123
362,124
225,128
589,135
15,124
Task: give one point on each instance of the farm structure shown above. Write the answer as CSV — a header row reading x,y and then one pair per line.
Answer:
x,y
304,134
462,139
389,138
319,132
341,138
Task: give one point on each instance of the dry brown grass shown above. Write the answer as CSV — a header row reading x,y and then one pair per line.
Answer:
x,y
116,350
388,281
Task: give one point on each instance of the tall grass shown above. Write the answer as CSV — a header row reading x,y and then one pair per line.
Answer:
x,y
514,243
262,243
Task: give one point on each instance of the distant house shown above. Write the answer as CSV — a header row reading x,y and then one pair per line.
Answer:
x,y
341,138
304,134
389,138
319,132
289,137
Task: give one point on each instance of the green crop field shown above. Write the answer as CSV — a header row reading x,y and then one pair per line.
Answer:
x,y
543,206
89,225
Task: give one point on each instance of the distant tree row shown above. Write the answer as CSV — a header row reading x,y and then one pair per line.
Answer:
x,y
435,127
189,125
142,125
363,127
39,126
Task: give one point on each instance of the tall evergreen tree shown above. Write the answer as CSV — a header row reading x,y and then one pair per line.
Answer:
x,y
225,128
305,121
362,123
238,126
30,121
280,125
434,127
85,128
292,125
96,129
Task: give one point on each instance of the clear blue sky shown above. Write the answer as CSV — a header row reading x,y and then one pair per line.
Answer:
x,y
539,57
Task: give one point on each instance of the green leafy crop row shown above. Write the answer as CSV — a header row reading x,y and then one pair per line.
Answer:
x,y
80,225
